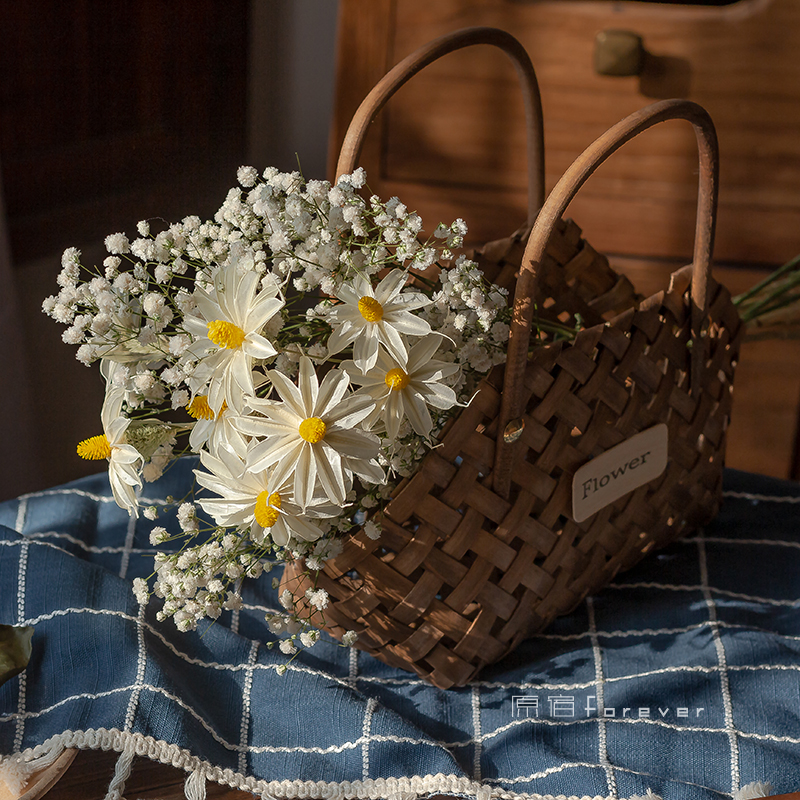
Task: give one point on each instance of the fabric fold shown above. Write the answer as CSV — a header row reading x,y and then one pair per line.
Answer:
x,y
677,678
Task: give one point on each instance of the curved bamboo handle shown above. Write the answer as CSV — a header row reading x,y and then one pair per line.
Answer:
x,y
427,54
512,404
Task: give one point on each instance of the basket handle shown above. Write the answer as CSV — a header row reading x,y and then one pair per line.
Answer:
x,y
512,403
427,54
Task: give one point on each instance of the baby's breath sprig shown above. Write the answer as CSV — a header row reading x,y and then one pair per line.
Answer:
x,y
302,344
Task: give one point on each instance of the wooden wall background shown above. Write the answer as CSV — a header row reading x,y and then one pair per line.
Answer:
x,y
451,144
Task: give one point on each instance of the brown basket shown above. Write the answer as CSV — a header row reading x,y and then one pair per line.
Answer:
x,y
479,549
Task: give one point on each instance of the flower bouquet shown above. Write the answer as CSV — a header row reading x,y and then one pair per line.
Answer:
x,y
304,347
321,358
370,411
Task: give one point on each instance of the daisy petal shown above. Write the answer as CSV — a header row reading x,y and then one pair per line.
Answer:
x,y
342,337
209,309
405,322
393,413
365,352
329,464
288,392
438,395
347,295
367,470
263,309
332,390
418,414
422,351
241,372
355,444
309,388
269,452
394,344
305,475
257,346
302,529
390,286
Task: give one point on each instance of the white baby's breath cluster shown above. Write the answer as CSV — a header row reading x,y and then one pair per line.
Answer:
x,y
473,315
302,344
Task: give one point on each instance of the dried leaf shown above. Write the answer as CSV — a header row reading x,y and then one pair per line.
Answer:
x,y
15,650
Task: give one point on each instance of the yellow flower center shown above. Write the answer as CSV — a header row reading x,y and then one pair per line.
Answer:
x,y
95,448
225,334
267,506
200,409
396,379
312,429
370,309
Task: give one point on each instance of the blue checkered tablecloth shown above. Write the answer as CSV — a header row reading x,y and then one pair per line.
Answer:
x,y
683,677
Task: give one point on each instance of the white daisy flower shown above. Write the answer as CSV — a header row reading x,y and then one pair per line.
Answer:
x,y
214,429
227,333
125,462
407,391
253,498
368,316
312,434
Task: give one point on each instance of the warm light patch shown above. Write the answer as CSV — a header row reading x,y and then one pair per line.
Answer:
x,y
225,334
370,309
95,448
396,379
312,429
267,506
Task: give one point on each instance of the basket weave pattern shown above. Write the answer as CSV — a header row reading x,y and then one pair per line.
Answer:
x,y
461,574
479,548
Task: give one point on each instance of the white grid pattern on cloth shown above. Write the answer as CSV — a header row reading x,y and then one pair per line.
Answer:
x,y
722,669
247,688
695,626
577,764
475,697
125,557
484,684
94,496
22,574
762,498
22,510
352,658
365,735
574,764
411,680
367,738
700,588
724,680
759,542
141,665
89,548
602,742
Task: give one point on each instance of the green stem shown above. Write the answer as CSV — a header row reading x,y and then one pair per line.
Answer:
x,y
773,301
787,267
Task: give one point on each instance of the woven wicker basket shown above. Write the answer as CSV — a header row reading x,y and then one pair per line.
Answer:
x,y
479,548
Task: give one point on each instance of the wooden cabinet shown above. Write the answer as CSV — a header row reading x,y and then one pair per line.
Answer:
x,y
452,143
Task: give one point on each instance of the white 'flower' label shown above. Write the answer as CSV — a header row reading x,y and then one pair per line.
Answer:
x,y
618,471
